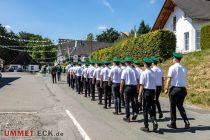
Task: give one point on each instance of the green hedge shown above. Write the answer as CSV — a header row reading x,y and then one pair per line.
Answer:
x,y
159,43
205,37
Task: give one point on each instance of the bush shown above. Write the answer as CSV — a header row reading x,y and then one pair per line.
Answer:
x,y
205,37
159,43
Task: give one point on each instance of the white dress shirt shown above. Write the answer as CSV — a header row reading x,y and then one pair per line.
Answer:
x,y
97,73
159,75
178,74
147,79
129,76
105,73
115,74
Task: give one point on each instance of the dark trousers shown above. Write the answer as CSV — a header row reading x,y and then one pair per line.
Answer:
x,y
116,95
91,89
157,102
100,91
148,105
86,86
68,80
129,93
107,93
54,78
79,82
177,96
59,76
137,103
72,82
122,97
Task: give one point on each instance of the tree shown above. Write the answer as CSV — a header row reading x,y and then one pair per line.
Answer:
x,y
90,37
143,28
110,35
133,32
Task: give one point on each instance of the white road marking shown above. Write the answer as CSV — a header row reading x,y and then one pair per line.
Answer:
x,y
18,112
81,130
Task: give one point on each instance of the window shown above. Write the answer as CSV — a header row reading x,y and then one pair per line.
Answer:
x,y
197,39
174,23
186,40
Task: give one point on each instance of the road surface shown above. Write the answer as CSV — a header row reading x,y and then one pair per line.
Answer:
x,y
32,102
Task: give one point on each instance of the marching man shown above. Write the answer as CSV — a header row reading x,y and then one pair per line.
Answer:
x,y
177,78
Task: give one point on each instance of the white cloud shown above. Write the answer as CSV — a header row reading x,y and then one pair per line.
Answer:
x,y
8,27
152,1
102,27
108,5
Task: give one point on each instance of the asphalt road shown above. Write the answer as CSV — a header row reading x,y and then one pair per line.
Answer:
x,y
32,102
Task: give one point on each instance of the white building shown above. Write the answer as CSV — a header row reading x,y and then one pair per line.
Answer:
x,y
185,18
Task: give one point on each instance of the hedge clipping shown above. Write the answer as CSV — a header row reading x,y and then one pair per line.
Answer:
x,y
159,43
205,37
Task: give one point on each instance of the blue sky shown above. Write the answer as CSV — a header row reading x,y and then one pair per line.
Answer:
x,y
74,19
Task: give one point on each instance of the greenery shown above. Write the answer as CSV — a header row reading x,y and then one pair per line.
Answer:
x,y
109,35
198,76
9,55
143,28
90,37
205,37
159,43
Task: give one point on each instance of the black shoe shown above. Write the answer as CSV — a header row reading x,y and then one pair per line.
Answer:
x,y
171,126
120,112
187,124
155,127
105,107
160,115
85,95
145,129
115,113
126,119
134,117
100,103
92,99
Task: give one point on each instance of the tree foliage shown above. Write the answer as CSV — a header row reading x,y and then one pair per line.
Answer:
x,y
143,28
9,55
90,37
110,35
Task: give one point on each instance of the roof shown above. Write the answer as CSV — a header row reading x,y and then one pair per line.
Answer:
x,y
83,47
195,9
24,59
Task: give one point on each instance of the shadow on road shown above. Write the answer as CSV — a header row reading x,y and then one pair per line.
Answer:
x,y
7,80
192,129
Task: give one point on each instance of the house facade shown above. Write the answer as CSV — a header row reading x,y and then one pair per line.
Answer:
x,y
78,49
24,62
185,18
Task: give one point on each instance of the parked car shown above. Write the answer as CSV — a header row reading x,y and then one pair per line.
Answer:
x,y
11,70
19,70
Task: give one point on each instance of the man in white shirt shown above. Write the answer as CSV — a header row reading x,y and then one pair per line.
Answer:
x,y
96,80
147,90
177,78
91,89
104,84
159,82
129,80
78,74
138,104
84,78
122,66
114,81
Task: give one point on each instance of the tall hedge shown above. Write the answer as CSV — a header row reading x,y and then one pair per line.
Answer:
x,y
159,43
205,37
